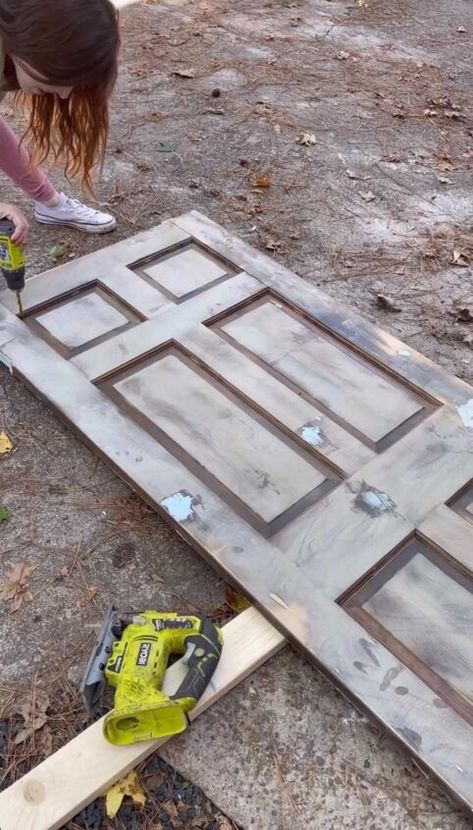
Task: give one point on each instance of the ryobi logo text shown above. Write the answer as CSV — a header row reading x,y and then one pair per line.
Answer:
x,y
143,654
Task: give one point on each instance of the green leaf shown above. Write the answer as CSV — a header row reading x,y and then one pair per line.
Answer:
x,y
4,514
162,147
57,251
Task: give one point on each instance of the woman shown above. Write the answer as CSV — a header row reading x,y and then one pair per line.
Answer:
x,y
60,56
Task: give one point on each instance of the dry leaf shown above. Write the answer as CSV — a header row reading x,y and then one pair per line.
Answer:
x,y
460,259
224,824
171,809
274,245
183,73
307,139
352,175
236,601
343,56
43,742
14,588
444,164
465,314
393,159
464,310
34,715
5,443
444,180
387,303
87,597
368,197
430,113
130,786
454,113
260,180
461,30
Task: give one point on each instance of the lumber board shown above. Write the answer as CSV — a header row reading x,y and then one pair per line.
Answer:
x,y
71,778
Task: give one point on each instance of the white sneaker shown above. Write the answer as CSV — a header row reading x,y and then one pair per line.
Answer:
x,y
74,214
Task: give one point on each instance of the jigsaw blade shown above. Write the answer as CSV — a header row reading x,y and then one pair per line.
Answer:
x,y
94,679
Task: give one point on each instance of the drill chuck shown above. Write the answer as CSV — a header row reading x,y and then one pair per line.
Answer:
x,y
15,279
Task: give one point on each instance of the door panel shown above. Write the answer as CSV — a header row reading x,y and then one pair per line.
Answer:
x,y
337,380
317,462
211,427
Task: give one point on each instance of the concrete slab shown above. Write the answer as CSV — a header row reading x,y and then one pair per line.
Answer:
x,y
285,750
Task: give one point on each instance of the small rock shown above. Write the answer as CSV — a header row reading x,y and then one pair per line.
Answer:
x,y
124,554
387,303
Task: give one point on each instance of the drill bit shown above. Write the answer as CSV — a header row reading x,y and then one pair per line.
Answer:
x,y
20,305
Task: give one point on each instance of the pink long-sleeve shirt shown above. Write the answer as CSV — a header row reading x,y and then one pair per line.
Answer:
x,y
14,160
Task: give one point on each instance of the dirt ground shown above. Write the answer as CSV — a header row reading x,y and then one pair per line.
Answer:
x,y
338,137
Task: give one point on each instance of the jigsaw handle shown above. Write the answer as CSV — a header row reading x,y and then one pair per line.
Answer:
x,y
203,652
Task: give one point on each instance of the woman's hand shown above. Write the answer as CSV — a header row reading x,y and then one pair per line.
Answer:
x,y
18,219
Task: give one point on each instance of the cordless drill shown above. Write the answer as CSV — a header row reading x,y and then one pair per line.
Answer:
x,y
12,261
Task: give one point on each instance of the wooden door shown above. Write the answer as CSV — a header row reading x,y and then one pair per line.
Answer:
x,y
317,462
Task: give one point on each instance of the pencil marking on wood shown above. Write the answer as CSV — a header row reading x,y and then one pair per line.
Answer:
x,y
369,647
412,737
388,678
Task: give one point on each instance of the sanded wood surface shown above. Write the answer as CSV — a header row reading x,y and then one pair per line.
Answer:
x,y
72,777
223,438
186,272
321,465
340,381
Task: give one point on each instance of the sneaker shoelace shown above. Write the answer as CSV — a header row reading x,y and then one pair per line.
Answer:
x,y
77,207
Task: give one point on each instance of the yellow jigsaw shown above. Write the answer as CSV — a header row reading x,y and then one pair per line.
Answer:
x,y
132,653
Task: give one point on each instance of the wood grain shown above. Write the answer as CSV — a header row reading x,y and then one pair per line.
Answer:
x,y
64,279
315,429
343,383
238,450
451,534
81,320
166,326
430,613
186,271
391,353
371,513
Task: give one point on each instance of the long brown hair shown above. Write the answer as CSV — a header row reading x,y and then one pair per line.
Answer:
x,y
65,43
